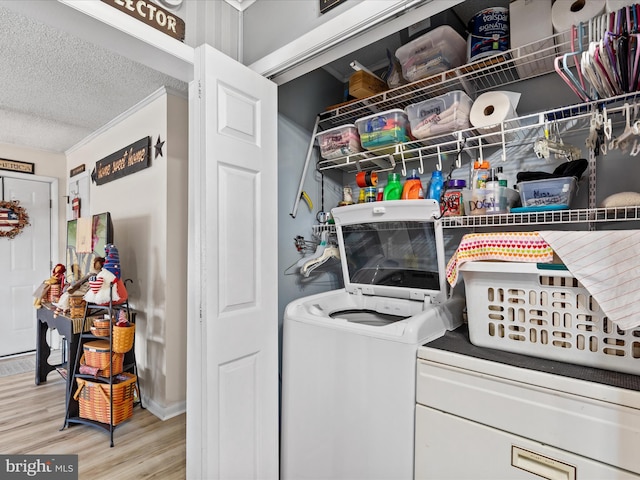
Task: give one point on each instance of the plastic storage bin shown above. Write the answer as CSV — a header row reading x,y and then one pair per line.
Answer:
x,y
339,142
437,116
382,129
437,51
550,191
543,312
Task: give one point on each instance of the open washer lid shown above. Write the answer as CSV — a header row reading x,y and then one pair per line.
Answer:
x,y
392,248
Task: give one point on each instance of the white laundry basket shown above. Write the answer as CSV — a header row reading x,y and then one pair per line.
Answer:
x,y
544,312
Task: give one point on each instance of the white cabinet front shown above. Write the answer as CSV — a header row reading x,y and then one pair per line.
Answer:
x,y
450,447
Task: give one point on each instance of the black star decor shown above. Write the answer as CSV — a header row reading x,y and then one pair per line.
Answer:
x,y
158,147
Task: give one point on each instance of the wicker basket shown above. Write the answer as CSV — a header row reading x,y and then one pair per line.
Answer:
x,y
123,338
53,294
97,353
95,404
100,332
117,365
103,323
76,306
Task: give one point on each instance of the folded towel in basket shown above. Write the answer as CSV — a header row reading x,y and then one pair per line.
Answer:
x,y
505,246
607,264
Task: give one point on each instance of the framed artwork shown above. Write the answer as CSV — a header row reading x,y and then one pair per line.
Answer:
x,y
92,242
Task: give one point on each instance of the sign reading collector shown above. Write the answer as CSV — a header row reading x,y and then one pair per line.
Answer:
x,y
153,15
124,162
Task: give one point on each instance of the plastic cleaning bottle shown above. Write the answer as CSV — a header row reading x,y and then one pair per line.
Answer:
x,y
435,185
480,174
393,189
412,188
502,181
493,193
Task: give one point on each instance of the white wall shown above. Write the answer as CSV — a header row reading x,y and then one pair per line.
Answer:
x,y
287,21
148,210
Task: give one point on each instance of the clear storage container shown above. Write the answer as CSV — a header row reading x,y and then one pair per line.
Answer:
x,y
339,142
440,115
437,51
383,129
549,191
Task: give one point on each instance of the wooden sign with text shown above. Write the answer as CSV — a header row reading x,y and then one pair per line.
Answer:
x,y
77,170
153,15
124,162
16,166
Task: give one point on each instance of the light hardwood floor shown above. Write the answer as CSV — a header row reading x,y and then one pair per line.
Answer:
x,y
145,447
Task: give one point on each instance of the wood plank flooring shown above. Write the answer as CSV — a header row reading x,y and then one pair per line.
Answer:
x,y
145,447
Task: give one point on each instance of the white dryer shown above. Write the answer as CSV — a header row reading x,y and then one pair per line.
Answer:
x,y
349,355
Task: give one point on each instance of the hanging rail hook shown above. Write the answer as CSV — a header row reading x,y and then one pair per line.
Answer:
x,y
460,149
607,123
421,169
404,165
439,164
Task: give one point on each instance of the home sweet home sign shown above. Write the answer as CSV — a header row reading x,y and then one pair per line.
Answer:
x,y
124,162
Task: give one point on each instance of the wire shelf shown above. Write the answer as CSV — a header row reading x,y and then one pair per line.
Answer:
x,y
529,61
515,65
516,133
586,215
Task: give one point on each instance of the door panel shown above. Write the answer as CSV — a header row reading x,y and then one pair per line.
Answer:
x,y
232,384
25,261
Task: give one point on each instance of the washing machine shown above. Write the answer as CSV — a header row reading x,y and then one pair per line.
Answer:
x,y
349,355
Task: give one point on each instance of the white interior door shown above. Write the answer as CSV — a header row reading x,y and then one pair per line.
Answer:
x,y
25,261
232,383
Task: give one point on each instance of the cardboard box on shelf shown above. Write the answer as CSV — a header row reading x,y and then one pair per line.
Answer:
x,y
363,84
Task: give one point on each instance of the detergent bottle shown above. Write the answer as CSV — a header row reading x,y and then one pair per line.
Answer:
x,y
479,174
435,185
393,189
412,188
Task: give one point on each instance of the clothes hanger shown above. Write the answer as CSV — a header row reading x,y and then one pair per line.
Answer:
x,y
576,32
329,252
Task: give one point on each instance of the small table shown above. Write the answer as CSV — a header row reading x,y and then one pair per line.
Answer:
x,y
70,329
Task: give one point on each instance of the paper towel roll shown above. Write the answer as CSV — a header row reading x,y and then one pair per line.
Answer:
x,y
565,13
491,109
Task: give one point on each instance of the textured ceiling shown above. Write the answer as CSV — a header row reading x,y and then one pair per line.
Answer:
x,y
55,90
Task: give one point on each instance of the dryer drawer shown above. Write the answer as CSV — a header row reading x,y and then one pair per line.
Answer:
x,y
604,431
490,454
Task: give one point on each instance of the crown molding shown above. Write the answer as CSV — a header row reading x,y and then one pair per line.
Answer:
x,y
240,5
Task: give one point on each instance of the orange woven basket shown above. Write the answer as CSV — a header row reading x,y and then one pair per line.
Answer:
x,y
100,332
99,322
117,364
123,337
76,306
97,353
93,399
53,295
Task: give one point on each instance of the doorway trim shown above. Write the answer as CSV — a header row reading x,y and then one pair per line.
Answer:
x,y
53,211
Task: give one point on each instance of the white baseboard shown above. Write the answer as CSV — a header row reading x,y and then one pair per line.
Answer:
x,y
164,412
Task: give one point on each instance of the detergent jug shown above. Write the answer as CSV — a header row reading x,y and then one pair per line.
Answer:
x,y
393,190
412,188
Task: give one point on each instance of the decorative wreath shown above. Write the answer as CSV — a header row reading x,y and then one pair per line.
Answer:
x,y
13,218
